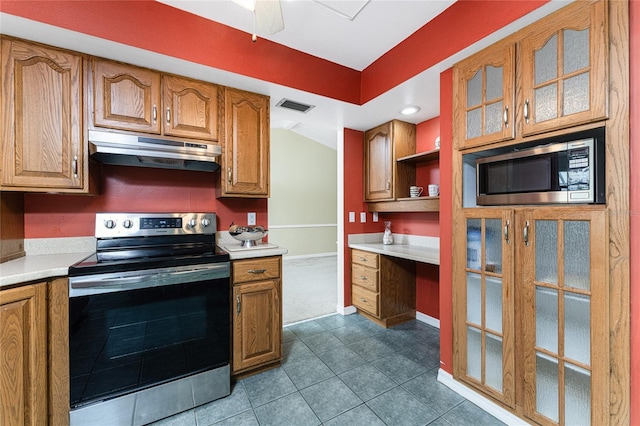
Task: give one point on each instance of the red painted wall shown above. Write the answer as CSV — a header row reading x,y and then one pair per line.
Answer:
x,y
132,189
634,17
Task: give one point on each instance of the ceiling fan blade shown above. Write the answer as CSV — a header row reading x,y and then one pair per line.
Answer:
x,y
268,16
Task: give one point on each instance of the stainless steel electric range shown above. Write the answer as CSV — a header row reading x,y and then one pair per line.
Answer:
x,y
149,319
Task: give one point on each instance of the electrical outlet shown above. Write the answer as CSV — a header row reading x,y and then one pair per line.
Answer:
x,y
251,218
375,216
363,217
352,217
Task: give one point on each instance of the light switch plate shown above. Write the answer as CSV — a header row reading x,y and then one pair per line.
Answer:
x,y
363,217
375,216
251,218
352,217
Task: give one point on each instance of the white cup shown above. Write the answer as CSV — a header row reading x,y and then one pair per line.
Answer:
x,y
415,191
434,190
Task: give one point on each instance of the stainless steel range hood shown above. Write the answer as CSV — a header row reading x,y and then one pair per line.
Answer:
x,y
141,151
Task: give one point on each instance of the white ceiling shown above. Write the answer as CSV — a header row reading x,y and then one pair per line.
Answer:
x,y
311,28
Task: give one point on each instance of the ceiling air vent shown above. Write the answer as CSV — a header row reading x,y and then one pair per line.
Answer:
x,y
296,106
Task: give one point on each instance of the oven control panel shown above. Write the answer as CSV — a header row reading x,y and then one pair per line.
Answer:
x,y
112,225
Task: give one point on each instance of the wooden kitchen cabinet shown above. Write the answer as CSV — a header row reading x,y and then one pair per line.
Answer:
x,y
42,133
257,314
531,310
383,288
549,76
126,97
245,161
384,178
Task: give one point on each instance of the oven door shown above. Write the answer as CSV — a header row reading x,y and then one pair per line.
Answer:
x,y
134,330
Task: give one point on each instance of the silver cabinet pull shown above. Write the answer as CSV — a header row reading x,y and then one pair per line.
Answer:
x,y
363,300
168,116
257,271
505,116
363,278
388,185
506,232
238,304
229,175
526,110
155,114
525,233
363,259
74,166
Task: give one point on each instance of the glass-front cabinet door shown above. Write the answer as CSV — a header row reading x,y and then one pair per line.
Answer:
x,y
487,323
563,67
484,86
565,318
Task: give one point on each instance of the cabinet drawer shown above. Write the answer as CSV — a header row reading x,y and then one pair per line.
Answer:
x,y
365,258
365,277
255,269
365,299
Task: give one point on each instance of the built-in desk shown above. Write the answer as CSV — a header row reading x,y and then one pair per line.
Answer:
x,y
383,281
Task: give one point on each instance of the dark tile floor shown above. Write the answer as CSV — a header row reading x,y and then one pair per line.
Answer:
x,y
345,370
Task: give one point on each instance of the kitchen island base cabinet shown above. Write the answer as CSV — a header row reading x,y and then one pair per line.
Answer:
x,y
383,288
257,314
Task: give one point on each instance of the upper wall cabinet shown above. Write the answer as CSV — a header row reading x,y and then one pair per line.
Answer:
x,y
245,160
384,178
558,77
126,97
42,118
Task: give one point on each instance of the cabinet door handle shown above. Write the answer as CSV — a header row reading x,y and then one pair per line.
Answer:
x,y
238,305
526,110
155,114
505,116
257,271
388,185
229,175
168,116
506,232
74,166
525,233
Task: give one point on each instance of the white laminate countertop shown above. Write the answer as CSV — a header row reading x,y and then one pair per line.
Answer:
x,y
232,246
410,247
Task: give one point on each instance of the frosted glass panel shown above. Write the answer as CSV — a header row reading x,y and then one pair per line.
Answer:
x,y
576,50
493,245
474,123
494,83
547,319
547,386
577,324
547,251
577,395
576,94
474,299
493,372
474,350
474,90
474,247
546,61
493,118
577,254
493,304
546,102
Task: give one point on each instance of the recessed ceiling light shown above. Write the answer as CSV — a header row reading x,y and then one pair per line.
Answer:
x,y
410,109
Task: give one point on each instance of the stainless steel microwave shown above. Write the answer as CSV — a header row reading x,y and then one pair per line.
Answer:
x,y
558,172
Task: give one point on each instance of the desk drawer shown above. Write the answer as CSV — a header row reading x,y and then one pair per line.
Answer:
x,y
365,277
365,258
258,269
365,300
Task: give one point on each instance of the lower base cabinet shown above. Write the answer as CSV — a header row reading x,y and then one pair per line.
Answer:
x,y
34,367
383,288
257,314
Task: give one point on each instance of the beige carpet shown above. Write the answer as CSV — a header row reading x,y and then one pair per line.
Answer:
x,y
309,288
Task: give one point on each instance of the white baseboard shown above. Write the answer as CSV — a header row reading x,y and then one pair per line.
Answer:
x,y
309,256
479,400
434,322
347,310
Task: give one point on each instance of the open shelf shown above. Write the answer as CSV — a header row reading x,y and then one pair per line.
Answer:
x,y
420,157
415,204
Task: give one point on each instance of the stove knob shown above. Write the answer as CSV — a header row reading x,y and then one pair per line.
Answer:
x,y
110,224
192,223
128,223
206,222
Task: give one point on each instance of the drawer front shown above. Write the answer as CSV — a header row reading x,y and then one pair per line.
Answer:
x,y
255,269
365,299
365,258
365,277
